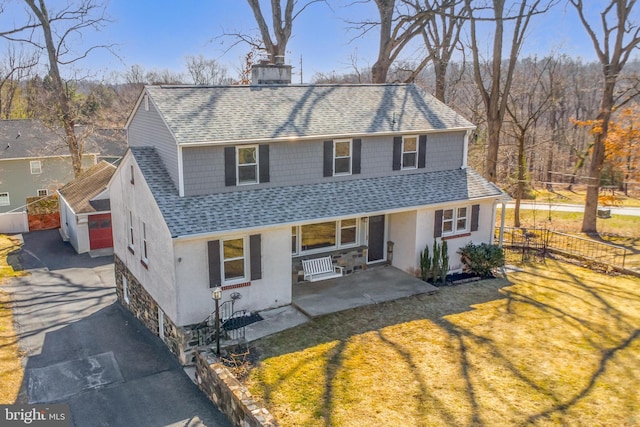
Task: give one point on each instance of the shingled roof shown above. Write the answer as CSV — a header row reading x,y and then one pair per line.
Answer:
x,y
243,113
79,192
29,138
314,202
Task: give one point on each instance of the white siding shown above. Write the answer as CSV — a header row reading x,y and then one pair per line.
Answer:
x,y
192,272
159,278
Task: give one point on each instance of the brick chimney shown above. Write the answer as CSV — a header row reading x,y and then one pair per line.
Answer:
x,y
269,73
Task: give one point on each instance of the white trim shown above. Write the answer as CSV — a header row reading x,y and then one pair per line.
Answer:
x,y
180,172
454,220
245,259
47,157
8,198
38,168
403,152
319,137
257,164
338,229
350,142
465,148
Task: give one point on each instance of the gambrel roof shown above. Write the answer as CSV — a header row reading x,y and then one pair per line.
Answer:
x,y
224,212
197,114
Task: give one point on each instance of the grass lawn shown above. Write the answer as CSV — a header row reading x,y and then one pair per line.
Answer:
x,y
552,344
10,365
577,197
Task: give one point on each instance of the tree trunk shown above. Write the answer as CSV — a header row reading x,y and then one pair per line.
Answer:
x,y
521,175
589,222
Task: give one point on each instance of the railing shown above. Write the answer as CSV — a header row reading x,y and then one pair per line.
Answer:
x,y
231,325
542,241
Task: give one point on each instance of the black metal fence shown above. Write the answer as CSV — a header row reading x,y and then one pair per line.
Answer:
x,y
540,242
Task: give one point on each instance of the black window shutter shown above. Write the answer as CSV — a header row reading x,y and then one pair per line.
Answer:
x,y
397,153
437,225
357,148
215,277
263,155
328,158
422,151
255,255
229,166
475,216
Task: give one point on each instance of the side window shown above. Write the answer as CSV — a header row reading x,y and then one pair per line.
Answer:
x,y
36,167
130,236
145,257
4,199
233,259
454,220
43,192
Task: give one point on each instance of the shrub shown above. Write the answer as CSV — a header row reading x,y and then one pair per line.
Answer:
x,y
481,259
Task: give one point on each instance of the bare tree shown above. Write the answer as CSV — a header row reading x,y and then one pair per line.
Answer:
x,y
494,76
282,25
14,69
528,99
440,35
58,30
613,43
205,71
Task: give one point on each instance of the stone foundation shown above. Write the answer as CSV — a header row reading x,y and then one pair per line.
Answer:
x,y
353,259
233,399
183,341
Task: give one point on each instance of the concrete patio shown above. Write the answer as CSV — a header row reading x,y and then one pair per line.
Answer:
x,y
372,286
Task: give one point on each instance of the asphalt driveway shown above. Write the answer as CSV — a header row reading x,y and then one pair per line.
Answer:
x,y
82,348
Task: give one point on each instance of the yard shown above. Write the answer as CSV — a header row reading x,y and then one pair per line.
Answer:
x,y
10,365
547,345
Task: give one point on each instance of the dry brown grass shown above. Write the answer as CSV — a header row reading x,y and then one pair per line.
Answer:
x,y
11,372
577,197
554,344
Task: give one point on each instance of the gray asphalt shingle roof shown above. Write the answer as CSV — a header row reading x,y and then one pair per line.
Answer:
x,y
25,138
288,205
237,113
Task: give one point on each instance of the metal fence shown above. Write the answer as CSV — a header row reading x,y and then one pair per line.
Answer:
x,y
540,242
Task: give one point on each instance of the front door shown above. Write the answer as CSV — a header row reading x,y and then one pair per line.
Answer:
x,y
376,239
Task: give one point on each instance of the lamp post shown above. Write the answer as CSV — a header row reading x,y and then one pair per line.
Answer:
x,y
216,295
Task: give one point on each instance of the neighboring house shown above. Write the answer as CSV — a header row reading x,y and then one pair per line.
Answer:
x,y
34,161
85,211
234,186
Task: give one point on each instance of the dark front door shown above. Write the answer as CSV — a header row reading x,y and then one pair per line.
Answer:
x,y
100,235
376,239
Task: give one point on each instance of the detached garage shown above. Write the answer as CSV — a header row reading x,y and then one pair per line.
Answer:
x,y
85,211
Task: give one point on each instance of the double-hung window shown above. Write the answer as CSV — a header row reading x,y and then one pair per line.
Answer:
x,y
130,232
454,220
409,152
247,164
4,199
342,157
145,253
35,166
233,259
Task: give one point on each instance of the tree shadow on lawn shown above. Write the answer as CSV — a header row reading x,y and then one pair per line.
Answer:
x,y
491,327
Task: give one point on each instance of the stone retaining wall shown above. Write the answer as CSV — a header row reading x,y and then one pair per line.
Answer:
x,y
231,397
183,341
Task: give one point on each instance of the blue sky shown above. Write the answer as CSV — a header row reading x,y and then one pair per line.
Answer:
x,y
158,34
